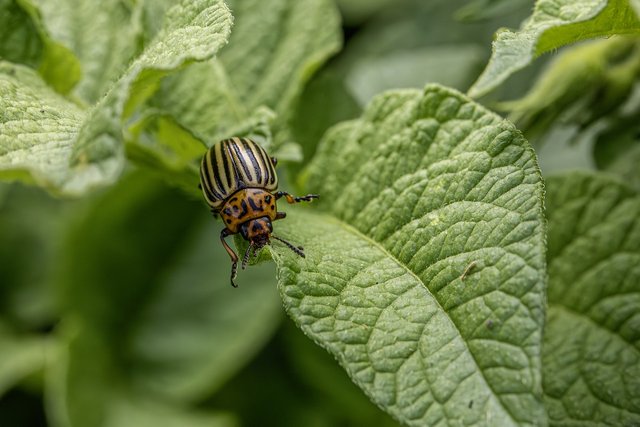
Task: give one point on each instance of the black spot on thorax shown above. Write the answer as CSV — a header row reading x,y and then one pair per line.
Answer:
x,y
253,204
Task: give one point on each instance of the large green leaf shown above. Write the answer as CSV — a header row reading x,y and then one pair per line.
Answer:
x,y
591,353
47,140
553,24
424,272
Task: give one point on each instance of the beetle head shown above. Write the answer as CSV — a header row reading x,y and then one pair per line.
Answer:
x,y
257,231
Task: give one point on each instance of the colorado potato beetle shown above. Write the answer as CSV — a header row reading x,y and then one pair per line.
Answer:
x,y
239,182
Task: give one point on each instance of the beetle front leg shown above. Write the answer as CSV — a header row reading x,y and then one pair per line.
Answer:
x,y
234,258
294,199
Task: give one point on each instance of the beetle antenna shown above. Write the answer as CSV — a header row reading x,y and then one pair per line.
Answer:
x,y
296,249
245,260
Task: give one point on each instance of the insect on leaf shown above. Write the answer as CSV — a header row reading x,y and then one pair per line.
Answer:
x,y
424,272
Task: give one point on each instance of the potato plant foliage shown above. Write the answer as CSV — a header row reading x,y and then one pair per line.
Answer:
x,y
473,260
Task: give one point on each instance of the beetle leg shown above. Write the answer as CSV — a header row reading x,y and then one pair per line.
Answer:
x,y
280,215
294,199
297,249
245,260
234,258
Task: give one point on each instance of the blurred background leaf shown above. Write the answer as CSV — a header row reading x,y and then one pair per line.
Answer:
x,y
147,290
477,10
116,310
78,25
617,150
591,352
24,40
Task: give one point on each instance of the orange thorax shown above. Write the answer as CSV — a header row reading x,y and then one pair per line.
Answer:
x,y
247,204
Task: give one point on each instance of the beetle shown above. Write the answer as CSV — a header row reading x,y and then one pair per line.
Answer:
x,y
239,182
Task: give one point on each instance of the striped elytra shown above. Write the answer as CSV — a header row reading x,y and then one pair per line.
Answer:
x,y
238,180
233,164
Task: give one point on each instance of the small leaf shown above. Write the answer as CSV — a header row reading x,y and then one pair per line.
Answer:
x,y
553,24
424,273
591,355
81,150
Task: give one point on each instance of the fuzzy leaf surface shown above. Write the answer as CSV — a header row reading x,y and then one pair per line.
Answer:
x,y
48,140
425,269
